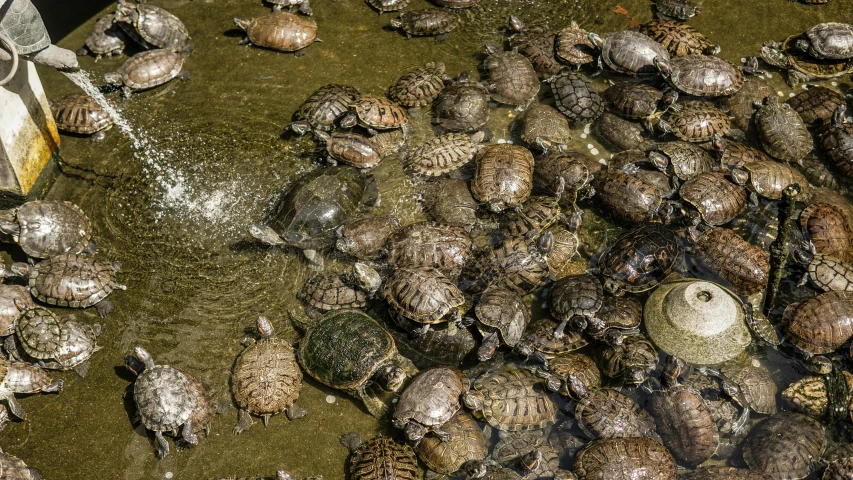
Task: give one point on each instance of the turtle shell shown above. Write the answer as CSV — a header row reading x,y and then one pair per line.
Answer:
x,y
344,349
540,334
9,311
72,280
634,101
578,365
685,159
575,97
677,9
503,175
537,44
429,21
162,398
572,45
80,113
717,199
432,397
266,378
78,342
205,407
679,39
641,259
512,79
829,273
466,443
627,198
430,245
517,263
150,68
704,75
441,154
420,87
22,377
462,106
543,122
106,38
726,473
783,134
317,204
576,295
505,311
769,179
381,458
282,31
160,28
830,41
424,295
816,105
785,446
820,324
331,292
40,333
624,459
514,400
813,67
326,105
827,226
742,264
757,386
632,53
607,413
685,424
449,201
698,123
379,113
13,468
388,5
52,227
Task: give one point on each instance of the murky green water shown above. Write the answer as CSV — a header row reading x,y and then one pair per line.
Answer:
x,y
178,221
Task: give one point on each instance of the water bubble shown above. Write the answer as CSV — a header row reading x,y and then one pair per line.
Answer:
x,y
780,93
742,60
769,75
586,128
501,140
834,84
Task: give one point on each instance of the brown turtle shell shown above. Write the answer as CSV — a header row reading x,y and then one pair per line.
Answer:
x,y
512,78
80,113
768,179
679,39
419,87
785,446
442,154
423,295
331,292
634,101
627,198
624,459
828,228
150,68
607,413
72,280
381,458
718,199
432,397
685,425
466,443
783,134
820,324
641,259
503,175
742,264
829,273
282,31
704,75
816,105
365,238
757,386
573,46
430,245
699,123
726,473
379,113
514,400
266,378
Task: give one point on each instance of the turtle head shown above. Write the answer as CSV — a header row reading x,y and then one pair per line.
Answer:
x,y
772,53
350,120
397,22
113,78
491,49
530,461
543,144
837,119
474,469
143,356
264,327
659,161
301,127
282,475
805,253
668,100
242,23
545,243
126,12
415,432
473,400
8,225
596,40
21,306
739,176
801,45
463,77
663,66
719,144
368,278
516,24
19,269
576,388
134,365
392,377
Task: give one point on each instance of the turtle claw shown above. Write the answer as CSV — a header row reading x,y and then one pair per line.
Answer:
x,y
244,422
162,445
104,307
295,412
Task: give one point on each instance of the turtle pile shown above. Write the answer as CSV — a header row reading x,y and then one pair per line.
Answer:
x,y
498,339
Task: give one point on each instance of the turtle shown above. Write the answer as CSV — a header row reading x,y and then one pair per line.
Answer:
x,y
462,106
383,6
366,238
427,22
71,280
537,44
347,350
827,41
503,177
760,325
637,101
375,113
162,400
743,265
574,170
783,134
280,31
756,386
22,377
837,143
430,245
77,343
621,458
630,53
700,75
575,97
575,367
676,9
679,39
443,154
696,124
741,105
304,6
47,228
785,446
449,201
682,160
456,4
511,399
685,424
576,296
13,300
573,45
38,331
423,295
419,87
802,68
543,127
266,379
350,148
629,199
512,78
768,179
79,113
726,473
106,39
324,107
827,227
502,317
428,402
526,451
464,450
825,396
307,216
816,105
539,343
518,263
640,259
380,458
820,324
14,468
716,198
732,154
153,27
148,69
618,134
630,361
825,271
607,413
619,316
279,475
637,164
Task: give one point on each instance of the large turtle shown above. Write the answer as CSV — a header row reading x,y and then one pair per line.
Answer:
x,y
71,280
46,228
314,207
347,349
163,400
266,379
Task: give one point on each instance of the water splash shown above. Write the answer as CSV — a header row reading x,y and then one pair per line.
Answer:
x,y
82,79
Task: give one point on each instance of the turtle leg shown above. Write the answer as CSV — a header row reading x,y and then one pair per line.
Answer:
x,y
266,420
301,52
276,8
162,445
442,37
82,368
98,136
187,433
104,307
315,260
91,248
295,412
305,8
441,434
374,405
184,75
54,387
14,407
490,343
244,422
558,332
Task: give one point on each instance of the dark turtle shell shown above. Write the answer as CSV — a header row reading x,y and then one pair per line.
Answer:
x,y
820,324
575,168
539,334
816,105
326,105
742,264
618,134
715,196
266,378
537,44
575,97
430,245
513,400
685,424
80,113
685,159
420,87
344,349
282,31
726,473
423,295
518,263
621,458
627,198
632,53
512,79
679,39
317,204
607,413
462,106
785,446
827,226
383,458
768,179
442,154
429,21
379,113
573,295
150,68
698,123
676,9
543,124
51,227
641,259
449,201
106,38
365,238
783,134
837,142
73,280
703,75
466,443
634,101
162,398
157,27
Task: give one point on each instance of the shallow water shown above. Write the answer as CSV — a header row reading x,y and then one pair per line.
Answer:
x,y
175,213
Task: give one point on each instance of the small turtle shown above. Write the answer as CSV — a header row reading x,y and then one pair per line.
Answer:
x,y
741,105
383,6
153,27
573,45
826,272
539,343
576,367
307,216
827,227
837,142
679,39
106,39
537,44
820,324
607,413
366,238
536,215
380,458
80,113
511,399
576,298
347,349
14,468
529,452
281,31
757,388
503,177
419,87
563,249
619,316
732,154
621,458
743,265
327,292
636,163
802,68
462,106
512,79
575,97
573,169
46,228
640,260
464,450
77,343
427,22
304,6
768,179
375,113
726,473
543,127
785,446
430,400
324,107
443,154
681,159
350,148
827,41
449,201
630,361
825,396
760,326
71,280
162,400
783,134
423,295
816,105
502,316
629,52
717,199
697,124
440,345
676,9
700,75
266,379
629,199
146,70
11,297
518,263
637,101
618,134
